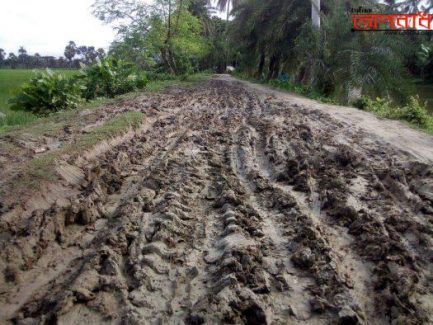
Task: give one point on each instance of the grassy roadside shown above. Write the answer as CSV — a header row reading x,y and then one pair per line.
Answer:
x,y
42,167
10,81
414,114
190,81
15,121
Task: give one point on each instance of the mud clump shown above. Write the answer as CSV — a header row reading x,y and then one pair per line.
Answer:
x,y
11,274
304,258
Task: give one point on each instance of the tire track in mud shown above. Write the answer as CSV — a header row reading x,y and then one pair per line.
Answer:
x,y
230,207
302,183
337,252
295,299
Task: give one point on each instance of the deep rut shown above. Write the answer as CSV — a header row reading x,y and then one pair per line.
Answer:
x,y
228,206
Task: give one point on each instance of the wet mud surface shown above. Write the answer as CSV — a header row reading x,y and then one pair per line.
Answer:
x,y
228,206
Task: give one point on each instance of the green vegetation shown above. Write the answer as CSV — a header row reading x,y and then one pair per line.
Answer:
x,y
74,56
110,77
42,167
329,62
51,124
425,92
304,90
12,79
162,82
276,42
178,37
48,92
413,112
10,82
331,59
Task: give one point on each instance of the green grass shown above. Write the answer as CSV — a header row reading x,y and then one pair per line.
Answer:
x,y
189,81
425,92
10,81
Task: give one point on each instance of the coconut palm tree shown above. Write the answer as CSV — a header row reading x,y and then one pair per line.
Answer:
x,y
225,5
2,56
315,13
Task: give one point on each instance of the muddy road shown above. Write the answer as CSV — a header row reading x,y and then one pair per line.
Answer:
x,y
231,204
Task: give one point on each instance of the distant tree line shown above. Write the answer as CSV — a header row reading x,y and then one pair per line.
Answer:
x,y
73,56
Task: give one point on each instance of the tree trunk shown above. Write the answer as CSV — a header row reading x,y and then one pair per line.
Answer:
x,y
169,21
276,71
274,67
261,65
166,52
315,13
227,39
228,10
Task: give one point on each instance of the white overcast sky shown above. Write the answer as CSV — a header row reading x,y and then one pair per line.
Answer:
x,y
46,26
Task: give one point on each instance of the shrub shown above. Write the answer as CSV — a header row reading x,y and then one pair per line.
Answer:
x,y
305,90
284,84
48,92
110,77
380,106
362,103
157,75
415,113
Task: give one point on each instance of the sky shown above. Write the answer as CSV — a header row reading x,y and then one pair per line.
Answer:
x,y
46,26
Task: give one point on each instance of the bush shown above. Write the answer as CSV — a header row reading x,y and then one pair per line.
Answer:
x,y
380,106
158,76
362,103
48,92
415,113
305,90
110,77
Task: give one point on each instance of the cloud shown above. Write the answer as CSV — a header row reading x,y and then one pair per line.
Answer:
x,y
46,26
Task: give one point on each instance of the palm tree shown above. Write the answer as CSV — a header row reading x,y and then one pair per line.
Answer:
x,y
2,56
70,51
23,57
37,59
411,6
315,13
12,59
22,51
225,5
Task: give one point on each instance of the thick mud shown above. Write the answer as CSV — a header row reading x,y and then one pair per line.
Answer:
x,y
229,205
